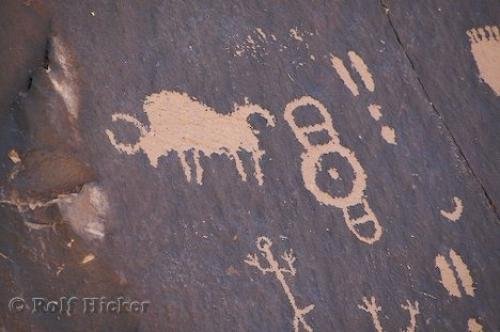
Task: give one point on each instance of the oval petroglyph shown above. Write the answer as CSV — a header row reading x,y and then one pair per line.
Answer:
x,y
311,166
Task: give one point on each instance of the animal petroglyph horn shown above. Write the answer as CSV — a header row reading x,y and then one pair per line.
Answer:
x,y
182,124
312,165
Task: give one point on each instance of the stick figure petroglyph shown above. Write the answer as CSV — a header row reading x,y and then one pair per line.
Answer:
x,y
413,311
371,307
182,124
264,245
311,166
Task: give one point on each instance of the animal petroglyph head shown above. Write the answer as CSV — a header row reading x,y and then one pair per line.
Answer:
x,y
485,47
248,109
180,123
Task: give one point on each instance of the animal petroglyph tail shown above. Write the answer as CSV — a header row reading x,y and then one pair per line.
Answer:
x,y
450,278
264,245
485,48
456,213
371,307
182,124
311,166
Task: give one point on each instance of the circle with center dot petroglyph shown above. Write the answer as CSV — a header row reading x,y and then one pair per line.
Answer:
x,y
347,186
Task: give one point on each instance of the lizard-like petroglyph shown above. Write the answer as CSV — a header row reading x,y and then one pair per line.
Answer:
x,y
387,132
311,166
450,278
457,211
485,47
371,307
264,245
182,124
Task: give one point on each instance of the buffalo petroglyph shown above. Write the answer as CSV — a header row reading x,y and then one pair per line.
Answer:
x,y
312,165
182,124
264,245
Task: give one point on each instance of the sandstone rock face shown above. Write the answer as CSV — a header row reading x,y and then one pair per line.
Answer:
x,y
249,166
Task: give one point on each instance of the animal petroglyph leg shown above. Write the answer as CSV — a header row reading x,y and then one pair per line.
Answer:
x,y
457,211
185,165
264,245
198,168
239,167
256,158
311,166
485,48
